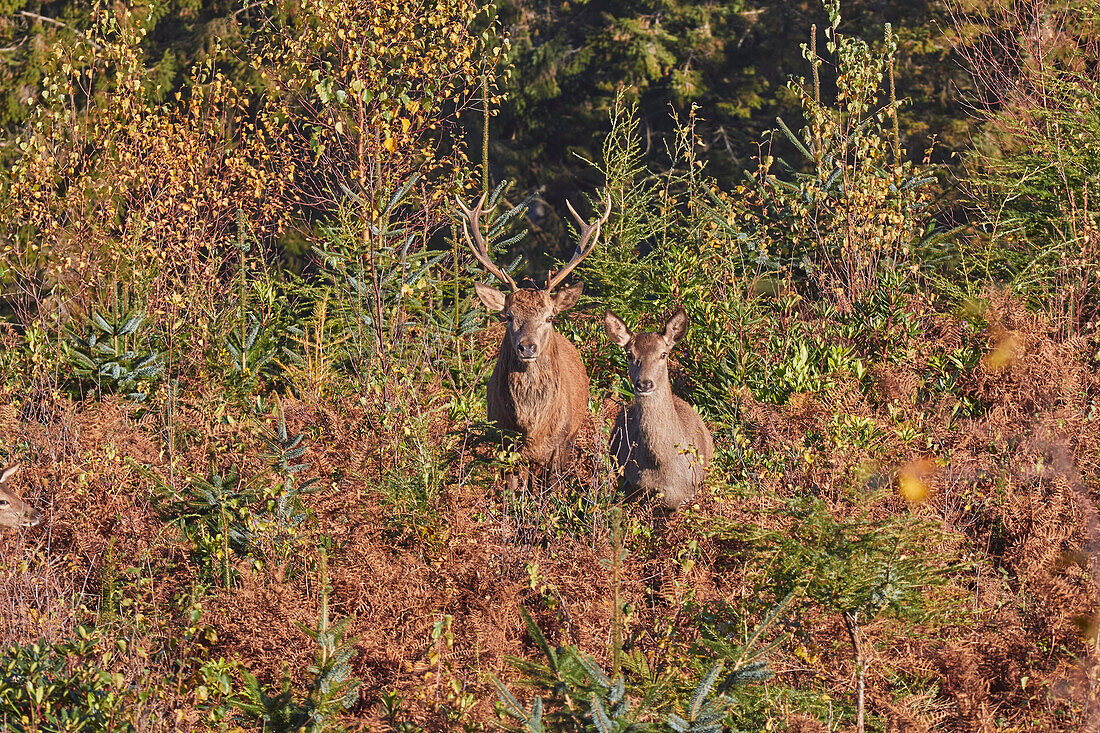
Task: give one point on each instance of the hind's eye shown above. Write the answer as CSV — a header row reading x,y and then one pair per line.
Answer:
x,y
664,355
508,316
3,502
549,319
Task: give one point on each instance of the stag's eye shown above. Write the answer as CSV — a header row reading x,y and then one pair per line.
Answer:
x,y
508,317
3,502
549,319
664,354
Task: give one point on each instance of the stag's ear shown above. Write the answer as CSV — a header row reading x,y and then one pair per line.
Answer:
x,y
568,297
491,297
676,327
616,329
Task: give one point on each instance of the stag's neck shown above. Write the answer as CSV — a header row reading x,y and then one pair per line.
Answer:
x,y
531,387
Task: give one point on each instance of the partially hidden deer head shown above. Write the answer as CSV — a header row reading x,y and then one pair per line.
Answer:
x,y
13,512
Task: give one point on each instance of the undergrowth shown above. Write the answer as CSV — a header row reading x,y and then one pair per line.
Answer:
x,y
230,453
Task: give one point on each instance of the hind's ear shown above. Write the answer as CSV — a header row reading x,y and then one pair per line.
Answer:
x,y
677,327
8,473
568,297
617,329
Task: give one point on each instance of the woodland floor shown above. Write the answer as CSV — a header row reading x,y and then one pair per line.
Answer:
x,y
1012,496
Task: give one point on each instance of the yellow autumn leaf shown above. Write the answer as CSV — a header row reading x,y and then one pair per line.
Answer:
x,y
390,144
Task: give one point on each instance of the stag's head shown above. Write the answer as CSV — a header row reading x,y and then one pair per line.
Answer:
x,y
13,512
647,353
529,312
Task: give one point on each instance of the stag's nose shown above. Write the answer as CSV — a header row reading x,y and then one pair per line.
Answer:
x,y
527,350
643,386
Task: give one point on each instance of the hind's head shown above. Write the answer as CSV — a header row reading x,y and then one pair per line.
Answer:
x,y
13,512
647,353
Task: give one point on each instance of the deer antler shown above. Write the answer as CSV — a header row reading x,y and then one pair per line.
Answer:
x,y
589,232
480,249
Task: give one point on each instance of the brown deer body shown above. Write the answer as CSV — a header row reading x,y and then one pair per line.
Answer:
x,y
659,441
13,512
545,397
539,387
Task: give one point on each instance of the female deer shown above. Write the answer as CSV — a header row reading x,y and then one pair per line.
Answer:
x,y
659,441
13,512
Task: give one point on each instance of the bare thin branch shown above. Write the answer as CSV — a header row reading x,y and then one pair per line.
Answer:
x,y
53,21
43,18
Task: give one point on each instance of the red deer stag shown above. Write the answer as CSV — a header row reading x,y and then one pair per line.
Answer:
x,y
14,513
659,441
539,387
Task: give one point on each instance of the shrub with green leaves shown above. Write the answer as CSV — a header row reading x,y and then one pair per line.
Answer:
x,y
228,517
63,687
836,229
854,205
278,527
1031,185
216,513
392,298
859,569
576,694
581,696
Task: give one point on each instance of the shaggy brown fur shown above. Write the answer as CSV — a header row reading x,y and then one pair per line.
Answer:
x,y
13,512
544,394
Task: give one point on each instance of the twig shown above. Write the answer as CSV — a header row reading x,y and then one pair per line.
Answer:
x,y
54,21
246,8
9,49
43,18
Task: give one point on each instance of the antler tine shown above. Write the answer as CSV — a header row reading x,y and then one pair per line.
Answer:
x,y
589,232
481,249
